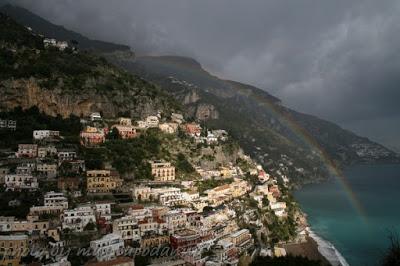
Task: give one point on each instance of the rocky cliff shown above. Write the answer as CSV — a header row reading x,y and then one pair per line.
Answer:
x,y
27,93
69,82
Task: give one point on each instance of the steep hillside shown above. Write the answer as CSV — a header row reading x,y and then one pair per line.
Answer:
x,y
258,119
50,30
79,83
68,82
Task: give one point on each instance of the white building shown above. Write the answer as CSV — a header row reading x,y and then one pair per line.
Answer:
x,y
48,170
108,247
172,198
44,134
17,182
24,170
6,223
169,128
66,156
176,220
47,151
76,219
61,45
103,209
278,208
55,199
211,138
152,121
141,124
9,124
127,227
95,116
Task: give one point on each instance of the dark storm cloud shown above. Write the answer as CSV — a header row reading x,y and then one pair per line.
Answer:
x,y
336,59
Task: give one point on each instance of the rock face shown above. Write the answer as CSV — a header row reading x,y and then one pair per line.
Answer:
x,y
27,93
206,111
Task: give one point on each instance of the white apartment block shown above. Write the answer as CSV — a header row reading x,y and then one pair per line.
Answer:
x,y
172,198
152,121
95,116
44,134
17,182
176,220
6,223
24,170
47,151
9,124
103,209
278,208
108,247
66,156
76,219
127,227
49,170
141,124
55,199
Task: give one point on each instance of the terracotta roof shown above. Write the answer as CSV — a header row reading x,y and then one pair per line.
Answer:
x,y
137,207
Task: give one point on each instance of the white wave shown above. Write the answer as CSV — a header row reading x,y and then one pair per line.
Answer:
x,y
328,250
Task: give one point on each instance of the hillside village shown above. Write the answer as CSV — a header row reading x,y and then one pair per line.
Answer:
x,y
218,207
159,190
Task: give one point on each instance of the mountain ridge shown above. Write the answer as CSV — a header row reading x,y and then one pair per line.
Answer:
x,y
50,30
269,131
225,100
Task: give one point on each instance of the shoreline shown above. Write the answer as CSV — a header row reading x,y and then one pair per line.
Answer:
x,y
308,249
317,248
327,250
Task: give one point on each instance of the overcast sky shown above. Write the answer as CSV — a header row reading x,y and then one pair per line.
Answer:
x,y
339,60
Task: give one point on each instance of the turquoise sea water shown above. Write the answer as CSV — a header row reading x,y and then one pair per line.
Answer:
x,y
360,234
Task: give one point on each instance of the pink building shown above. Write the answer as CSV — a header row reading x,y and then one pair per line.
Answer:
x,y
192,129
92,136
125,131
27,151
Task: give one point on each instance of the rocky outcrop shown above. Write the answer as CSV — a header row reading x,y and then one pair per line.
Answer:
x,y
26,93
191,97
206,111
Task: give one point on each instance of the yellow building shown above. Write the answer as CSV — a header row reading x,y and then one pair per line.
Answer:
x,y
30,226
102,181
125,121
154,241
12,248
162,171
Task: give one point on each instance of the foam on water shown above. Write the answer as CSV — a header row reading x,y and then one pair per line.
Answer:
x,y
328,250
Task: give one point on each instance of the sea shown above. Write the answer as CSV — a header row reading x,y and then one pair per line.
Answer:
x,y
352,223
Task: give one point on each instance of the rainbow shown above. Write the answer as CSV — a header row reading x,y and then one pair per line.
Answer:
x,y
289,122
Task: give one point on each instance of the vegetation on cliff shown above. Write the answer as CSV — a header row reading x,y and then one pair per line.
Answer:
x,y
32,119
25,64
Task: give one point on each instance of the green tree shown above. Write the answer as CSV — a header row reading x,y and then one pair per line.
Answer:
x,y
183,164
